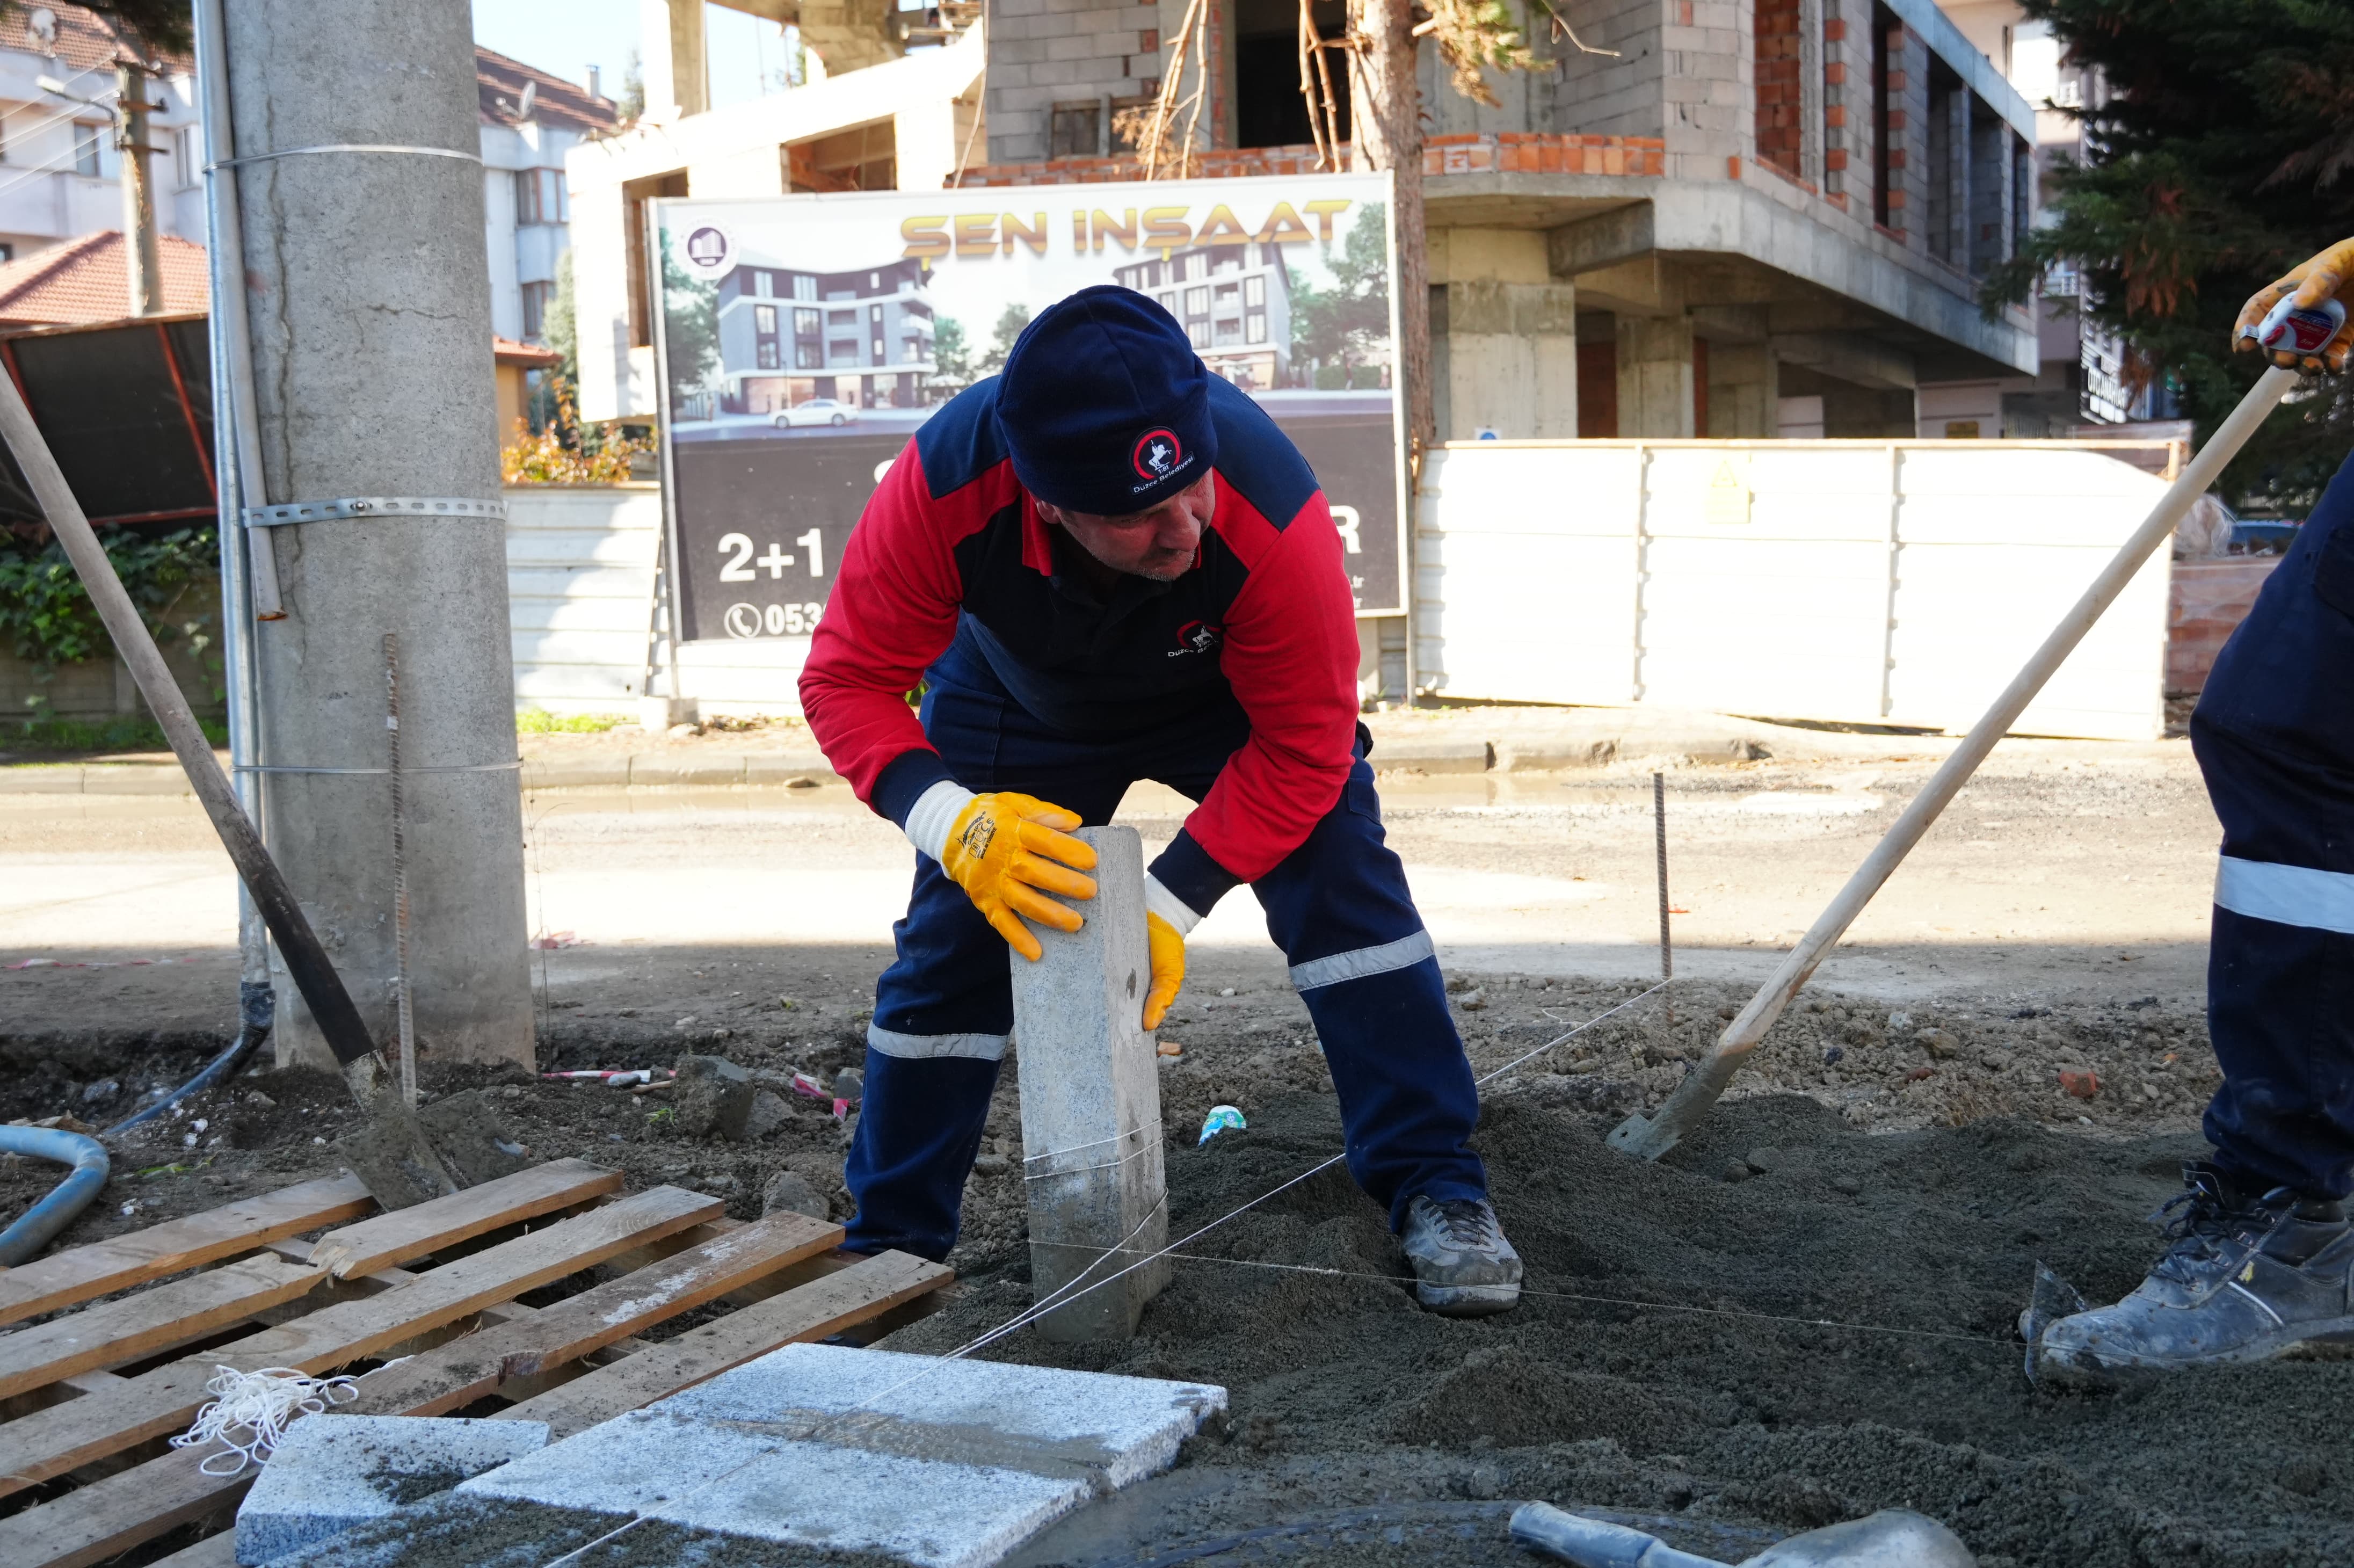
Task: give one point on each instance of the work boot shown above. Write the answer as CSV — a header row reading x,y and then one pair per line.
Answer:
x,y
2248,1278
1463,1266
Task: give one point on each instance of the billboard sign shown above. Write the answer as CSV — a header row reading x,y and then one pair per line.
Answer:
x,y
804,340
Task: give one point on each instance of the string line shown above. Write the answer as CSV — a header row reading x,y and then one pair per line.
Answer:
x,y
1069,1291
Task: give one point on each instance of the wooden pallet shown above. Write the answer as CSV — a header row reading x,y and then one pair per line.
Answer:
x,y
86,1395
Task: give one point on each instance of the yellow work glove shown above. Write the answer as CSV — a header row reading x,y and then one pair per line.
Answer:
x,y
1002,848
1167,920
2323,277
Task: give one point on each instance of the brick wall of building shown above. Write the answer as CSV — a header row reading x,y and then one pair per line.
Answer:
x,y
1071,54
1907,131
1846,104
1781,96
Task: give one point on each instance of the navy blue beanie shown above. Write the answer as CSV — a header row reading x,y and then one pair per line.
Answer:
x,y
1105,406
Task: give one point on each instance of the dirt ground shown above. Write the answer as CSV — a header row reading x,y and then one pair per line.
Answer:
x,y
1804,1313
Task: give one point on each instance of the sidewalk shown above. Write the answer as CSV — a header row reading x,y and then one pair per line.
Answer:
x,y
1410,740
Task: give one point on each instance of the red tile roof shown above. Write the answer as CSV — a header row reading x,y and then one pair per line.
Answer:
x,y
560,103
82,41
84,280
529,355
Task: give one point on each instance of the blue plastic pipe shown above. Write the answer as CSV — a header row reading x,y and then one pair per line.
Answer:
x,y
53,1214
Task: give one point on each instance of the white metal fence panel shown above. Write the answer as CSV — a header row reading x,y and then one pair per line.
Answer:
x,y
1547,574
1896,582
581,570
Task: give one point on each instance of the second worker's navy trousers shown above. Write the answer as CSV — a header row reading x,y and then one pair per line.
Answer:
x,y
2274,735
1337,907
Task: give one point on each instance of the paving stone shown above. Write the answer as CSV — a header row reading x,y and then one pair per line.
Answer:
x,y
942,1463
334,1471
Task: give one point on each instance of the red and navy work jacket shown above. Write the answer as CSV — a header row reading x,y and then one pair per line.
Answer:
x,y
952,549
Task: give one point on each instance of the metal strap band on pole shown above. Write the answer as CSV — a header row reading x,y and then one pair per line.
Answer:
x,y
451,768
374,506
342,147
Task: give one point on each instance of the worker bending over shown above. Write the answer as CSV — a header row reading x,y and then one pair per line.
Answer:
x,y
2262,1257
1107,565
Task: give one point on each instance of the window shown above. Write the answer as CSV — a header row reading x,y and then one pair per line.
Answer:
x,y
1197,333
540,196
911,350
187,156
841,318
1254,291
536,298
804,286
807,357
1230,331
764,319
806,323
1076,131
1197,302
86,139
843,350
1255,327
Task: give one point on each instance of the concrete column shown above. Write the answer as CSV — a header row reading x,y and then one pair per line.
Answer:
x,y
1504,358
670,59
1742,399
1655,376
1091,1105
370,305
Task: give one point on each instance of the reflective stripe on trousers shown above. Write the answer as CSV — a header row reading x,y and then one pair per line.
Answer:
x,y
2286,894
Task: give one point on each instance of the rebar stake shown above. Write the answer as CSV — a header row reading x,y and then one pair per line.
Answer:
x,y
401,869
1667,947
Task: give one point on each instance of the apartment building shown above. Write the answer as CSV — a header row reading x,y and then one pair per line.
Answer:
x,y
531,121
1236,303
59,172
862,337
1722,218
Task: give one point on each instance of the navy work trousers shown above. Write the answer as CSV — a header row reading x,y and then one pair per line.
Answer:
x,y
1337,907
2274,735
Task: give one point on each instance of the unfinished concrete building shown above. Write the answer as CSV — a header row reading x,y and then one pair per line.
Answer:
x,y
1712,218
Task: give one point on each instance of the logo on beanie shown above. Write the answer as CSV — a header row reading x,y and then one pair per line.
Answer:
x,y
1158,455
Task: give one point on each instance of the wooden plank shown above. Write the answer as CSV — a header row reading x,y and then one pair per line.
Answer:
x,y
405,1233
862,1291
159,1318
48,1443
212,1551
463,1370
101,1269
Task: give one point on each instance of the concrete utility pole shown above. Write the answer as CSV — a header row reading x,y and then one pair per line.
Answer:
x,y
140,261
360,192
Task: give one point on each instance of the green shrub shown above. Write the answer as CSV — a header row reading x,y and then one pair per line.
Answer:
x,y
539,721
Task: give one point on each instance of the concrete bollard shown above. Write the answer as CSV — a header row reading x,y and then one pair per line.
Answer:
x,y
1091,1105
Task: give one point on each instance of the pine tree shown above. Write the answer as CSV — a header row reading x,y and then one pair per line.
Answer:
x,y
2218,157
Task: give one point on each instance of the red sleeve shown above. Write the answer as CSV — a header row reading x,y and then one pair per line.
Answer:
x,y
1290,655
892,612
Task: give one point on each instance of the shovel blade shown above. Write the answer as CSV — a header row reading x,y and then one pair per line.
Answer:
x,y
2049,1299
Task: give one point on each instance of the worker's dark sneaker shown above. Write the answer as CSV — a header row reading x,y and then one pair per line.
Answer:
x,y
2249,1277
1463,1266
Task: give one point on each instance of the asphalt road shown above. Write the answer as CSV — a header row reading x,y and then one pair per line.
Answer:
x,y
2067,872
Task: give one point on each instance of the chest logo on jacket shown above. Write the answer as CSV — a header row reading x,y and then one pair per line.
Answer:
x,y
1197,637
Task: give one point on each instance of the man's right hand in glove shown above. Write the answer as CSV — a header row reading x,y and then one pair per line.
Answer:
x,y
2327,276
1002,848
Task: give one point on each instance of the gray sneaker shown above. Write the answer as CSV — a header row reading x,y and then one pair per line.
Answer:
x,y
2247,1277
1463,1266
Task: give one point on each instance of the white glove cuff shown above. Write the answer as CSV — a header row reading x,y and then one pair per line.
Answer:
x,y
933,814
1159,900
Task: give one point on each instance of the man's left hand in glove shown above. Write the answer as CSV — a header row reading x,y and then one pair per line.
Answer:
x,y
1167,920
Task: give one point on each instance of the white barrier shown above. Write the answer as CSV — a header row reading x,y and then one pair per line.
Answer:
x,y
580,569
1875,582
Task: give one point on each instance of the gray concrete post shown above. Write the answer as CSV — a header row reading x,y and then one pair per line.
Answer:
x,y
1091,1105
1655,376
368,302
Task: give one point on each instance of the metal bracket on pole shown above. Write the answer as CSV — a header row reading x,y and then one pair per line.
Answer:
x,y
374,506
343,147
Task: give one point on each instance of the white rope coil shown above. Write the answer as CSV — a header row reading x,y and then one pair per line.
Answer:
x,y
250,1411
